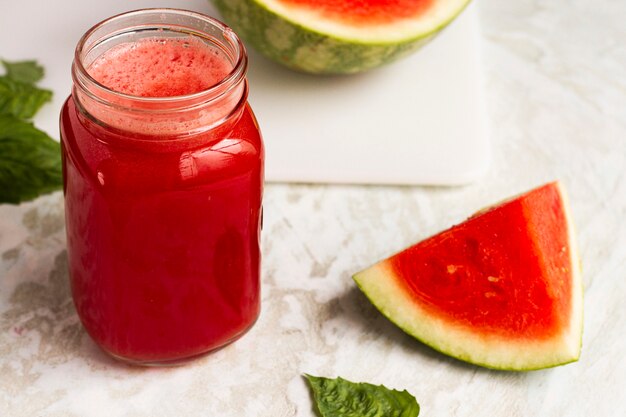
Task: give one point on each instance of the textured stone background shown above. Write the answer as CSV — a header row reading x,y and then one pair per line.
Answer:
x,y
556,90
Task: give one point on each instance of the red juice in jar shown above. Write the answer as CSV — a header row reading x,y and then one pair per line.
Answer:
x,y
163,178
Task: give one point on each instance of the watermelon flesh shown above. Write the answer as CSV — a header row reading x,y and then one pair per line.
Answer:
x,y
363,12
502,289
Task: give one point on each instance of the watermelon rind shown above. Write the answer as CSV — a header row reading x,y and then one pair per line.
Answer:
x,y
309,43
385,292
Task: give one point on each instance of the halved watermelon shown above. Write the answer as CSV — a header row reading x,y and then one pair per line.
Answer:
x,y
338,36
502,290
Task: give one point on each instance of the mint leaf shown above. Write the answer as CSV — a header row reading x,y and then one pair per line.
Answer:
x,y
28,72
20,99
30,161
342,398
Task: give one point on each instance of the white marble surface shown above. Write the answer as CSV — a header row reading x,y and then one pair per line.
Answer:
x,y
556,88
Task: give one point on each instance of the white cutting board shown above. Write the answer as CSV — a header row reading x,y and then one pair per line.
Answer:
x,y
417,121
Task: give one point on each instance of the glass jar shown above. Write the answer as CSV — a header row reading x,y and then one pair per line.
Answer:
x,y
162,197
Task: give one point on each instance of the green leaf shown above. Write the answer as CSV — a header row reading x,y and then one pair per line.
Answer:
x,y
20,99
342,398
30,161
28,72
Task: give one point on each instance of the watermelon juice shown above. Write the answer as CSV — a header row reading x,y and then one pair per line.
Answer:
x,y
163,174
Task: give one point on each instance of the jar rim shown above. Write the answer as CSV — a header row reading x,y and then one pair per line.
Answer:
x,y
96,90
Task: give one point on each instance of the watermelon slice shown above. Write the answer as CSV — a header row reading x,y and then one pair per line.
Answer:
x,y
338,36
502,290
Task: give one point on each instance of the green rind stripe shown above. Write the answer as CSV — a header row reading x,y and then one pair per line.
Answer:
x,y
304,49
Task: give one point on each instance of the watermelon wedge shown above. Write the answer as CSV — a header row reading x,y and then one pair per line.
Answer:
x,y
338,36
501,290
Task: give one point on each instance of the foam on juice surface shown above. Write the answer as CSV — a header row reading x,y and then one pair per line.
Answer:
x,y
154,67
162,67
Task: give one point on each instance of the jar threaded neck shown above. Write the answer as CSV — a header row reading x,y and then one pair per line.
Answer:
x,y
167,115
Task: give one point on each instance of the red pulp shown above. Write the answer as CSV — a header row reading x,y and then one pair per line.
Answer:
x,y
364,12
487,274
